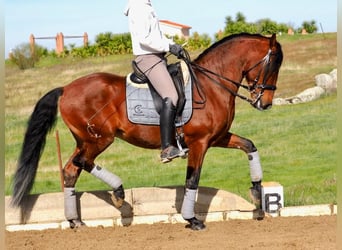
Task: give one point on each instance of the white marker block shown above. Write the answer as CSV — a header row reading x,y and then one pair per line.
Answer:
x,y
272,197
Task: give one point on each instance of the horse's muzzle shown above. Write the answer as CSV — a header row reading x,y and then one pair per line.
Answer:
x,y
259,106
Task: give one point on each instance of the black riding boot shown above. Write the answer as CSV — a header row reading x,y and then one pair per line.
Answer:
x,y
167,131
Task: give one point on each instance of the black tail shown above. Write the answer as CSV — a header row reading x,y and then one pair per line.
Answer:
x,y
40,123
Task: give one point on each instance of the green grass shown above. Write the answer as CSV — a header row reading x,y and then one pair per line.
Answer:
x,y
297,143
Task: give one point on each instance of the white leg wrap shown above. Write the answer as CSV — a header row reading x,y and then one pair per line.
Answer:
x,y
70,204
255,166
189,203
104,175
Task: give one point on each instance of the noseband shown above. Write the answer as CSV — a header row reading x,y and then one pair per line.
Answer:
x,y
251,89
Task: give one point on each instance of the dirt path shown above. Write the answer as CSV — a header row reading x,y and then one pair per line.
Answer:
x,y
270,233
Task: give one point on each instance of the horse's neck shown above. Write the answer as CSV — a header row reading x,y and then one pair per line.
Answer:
x,y
228,65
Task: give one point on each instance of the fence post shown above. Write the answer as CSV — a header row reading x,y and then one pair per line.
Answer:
x,y
32,44
59,43
85,40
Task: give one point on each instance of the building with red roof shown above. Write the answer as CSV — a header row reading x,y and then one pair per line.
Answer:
x,y
172,29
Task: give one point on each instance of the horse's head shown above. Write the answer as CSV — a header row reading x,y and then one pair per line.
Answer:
x,y
262,76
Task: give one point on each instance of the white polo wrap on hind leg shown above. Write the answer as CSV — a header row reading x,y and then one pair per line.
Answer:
x,y
70,204
189,203
255,166
109,178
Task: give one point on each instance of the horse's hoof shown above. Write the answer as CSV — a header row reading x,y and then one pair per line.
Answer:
x,y
195,224
74,224
255,195
118,202
118,197
258,214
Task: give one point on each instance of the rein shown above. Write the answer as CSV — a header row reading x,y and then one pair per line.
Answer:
x,y
209,74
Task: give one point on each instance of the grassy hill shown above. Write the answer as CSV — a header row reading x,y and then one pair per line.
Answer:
x,y
297,144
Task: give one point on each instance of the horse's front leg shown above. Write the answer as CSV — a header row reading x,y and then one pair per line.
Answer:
x,y
195,160
256,173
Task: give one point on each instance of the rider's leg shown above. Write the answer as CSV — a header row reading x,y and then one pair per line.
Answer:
x,y
155,68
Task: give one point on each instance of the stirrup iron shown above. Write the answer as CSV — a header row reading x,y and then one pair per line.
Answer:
x,y
180,140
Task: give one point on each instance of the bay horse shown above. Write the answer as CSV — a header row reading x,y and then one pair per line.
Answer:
x,y
93,107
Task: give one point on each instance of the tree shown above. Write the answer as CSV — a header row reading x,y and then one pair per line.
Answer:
x,y
264,26
310,26
240,17
267,26
283,28
238,26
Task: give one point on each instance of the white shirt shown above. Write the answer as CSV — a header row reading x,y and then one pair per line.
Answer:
x,y
143,23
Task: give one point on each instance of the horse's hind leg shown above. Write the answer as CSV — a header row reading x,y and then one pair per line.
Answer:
x,y
83,159
256,173
71,174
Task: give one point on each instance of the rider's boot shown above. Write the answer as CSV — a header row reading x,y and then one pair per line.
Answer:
x,y
167,131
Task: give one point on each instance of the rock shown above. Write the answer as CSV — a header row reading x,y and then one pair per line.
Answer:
x,y
333,74
279,101
327,81
309,95
323,80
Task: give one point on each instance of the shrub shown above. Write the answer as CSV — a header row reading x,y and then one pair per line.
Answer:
x,y
113,44
194,42
24,57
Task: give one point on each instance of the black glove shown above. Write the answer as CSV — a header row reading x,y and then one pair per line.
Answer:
x,y
177,50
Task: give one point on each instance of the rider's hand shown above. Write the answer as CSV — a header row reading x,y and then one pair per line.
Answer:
x,y
177,50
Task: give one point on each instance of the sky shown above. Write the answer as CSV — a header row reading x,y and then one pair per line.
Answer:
x,y
74,17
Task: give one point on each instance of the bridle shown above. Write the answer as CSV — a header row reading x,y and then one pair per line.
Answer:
x,y
263,86
265,61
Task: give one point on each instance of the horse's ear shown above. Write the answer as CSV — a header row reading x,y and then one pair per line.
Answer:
x,y
273,41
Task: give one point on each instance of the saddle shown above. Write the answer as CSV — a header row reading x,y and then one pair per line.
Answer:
x,y
144,103
175,71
